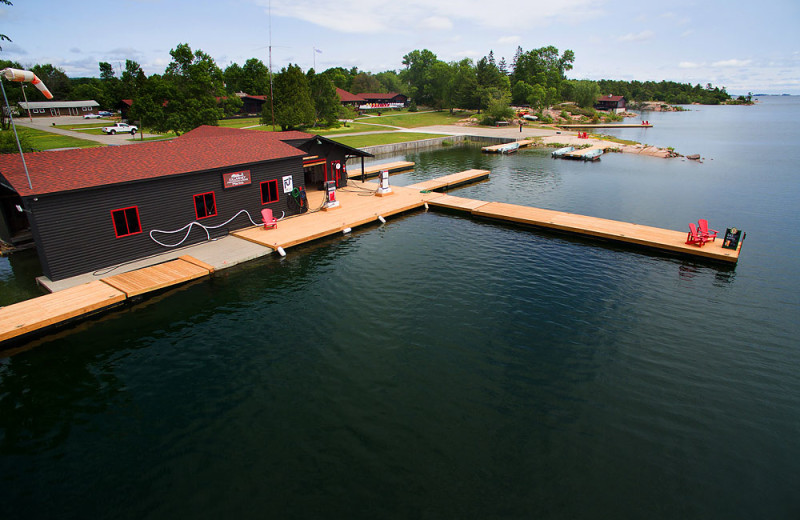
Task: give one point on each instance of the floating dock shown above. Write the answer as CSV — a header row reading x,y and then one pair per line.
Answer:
x,y
355,209
86,299
625,232
375,169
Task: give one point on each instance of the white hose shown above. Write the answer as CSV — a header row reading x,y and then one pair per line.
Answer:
x,y
188,228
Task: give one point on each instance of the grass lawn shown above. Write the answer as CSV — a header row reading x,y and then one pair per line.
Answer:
x,y
40,140
240,122
96,123
416,119
360,141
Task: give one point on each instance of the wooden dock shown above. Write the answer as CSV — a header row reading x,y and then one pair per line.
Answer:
x,y
375,169
625,232
54,309
448,182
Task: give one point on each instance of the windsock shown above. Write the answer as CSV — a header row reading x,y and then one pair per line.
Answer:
x,y
26,76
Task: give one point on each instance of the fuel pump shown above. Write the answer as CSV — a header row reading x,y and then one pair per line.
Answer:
x,y
330,195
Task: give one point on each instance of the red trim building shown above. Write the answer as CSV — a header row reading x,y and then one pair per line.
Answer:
x,y
92,208
611,103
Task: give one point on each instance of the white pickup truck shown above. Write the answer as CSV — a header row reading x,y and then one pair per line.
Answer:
x,y
123,128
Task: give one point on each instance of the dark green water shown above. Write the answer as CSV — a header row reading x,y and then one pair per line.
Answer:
x,y
440,367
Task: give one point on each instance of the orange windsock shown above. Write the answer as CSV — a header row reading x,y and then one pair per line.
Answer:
x,y
26,76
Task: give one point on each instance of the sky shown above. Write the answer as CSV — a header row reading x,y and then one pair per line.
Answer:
x,y
743,46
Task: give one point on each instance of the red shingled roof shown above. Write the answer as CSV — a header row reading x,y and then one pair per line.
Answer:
x,y
348,97
368,96
611,98
205,148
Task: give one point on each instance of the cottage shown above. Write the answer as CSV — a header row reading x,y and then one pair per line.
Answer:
x,y
99,207
614,104
59,108
346,98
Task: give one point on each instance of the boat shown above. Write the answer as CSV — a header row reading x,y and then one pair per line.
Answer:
x,y
508,148
561,151
530,117
592,155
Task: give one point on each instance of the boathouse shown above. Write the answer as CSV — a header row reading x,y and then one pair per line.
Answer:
x,y
614,104
94,208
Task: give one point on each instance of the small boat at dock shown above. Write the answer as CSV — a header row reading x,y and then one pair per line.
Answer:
x,y
592,155
502,148
561,151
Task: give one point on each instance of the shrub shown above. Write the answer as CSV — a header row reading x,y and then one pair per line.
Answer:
x,y
412,107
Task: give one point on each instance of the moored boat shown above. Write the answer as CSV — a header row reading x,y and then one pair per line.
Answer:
x,y
561,151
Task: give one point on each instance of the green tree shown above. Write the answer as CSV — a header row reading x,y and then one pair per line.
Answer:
x,y
585,93
185,97
390,82
440,85
326,102
56,80
255,77
233,77
465,86
365,82
132,80
417,75
293,105
545,67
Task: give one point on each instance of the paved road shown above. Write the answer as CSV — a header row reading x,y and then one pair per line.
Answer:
x,y
46,123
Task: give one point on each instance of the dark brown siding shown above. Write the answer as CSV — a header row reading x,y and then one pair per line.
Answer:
x,y
74,231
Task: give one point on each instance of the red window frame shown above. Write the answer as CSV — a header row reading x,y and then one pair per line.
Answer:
x,y
270,189
203,200
132,226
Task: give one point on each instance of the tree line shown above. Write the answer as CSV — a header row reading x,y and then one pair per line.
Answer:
x,y
194,90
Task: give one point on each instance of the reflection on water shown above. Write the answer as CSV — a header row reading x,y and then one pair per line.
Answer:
x,y
437,366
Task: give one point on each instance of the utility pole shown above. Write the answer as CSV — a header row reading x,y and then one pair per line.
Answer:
x,y
26,102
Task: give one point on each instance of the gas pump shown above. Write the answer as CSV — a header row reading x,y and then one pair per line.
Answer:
x,y
330,195
339,174
384,188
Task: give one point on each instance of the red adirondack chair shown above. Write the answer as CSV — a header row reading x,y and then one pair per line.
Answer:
x,y
694,237
270,221
703,231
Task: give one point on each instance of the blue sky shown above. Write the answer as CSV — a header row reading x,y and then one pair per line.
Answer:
x,y
744,46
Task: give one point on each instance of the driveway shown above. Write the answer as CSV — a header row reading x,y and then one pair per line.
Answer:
x,y
46,124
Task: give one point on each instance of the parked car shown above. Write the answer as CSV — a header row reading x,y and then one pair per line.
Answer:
x,y
92,116
122,128
105,113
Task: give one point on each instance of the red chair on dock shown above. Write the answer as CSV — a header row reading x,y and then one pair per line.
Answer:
x,y
703,231
694,236
270,221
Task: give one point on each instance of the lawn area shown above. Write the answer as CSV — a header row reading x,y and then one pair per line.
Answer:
x,y
416,119
240,122
96,123
351,128
360,141
40,140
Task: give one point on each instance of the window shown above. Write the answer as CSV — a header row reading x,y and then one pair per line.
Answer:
x,y
205,205
126,221
269,191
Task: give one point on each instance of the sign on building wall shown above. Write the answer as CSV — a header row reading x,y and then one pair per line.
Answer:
x,y
235,179
288,185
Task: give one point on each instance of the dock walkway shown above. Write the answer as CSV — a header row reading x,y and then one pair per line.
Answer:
x,y
625,232
375,169
355,210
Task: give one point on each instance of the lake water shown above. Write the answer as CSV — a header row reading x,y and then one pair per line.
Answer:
x,y
442,367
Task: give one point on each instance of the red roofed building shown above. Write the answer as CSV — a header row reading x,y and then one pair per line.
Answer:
x,y
347,98
98,207
612,103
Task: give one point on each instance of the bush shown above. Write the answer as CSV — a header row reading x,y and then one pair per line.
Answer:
x,y
412,107
8,144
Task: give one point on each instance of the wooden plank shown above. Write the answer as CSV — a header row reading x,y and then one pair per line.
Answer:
x,y
451,181
376,169
199,263
457,203
52,309
156,277
651,237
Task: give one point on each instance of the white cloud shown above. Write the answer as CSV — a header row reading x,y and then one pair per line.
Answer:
x,y
690,65
732,63
637,37
436,23
509,40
